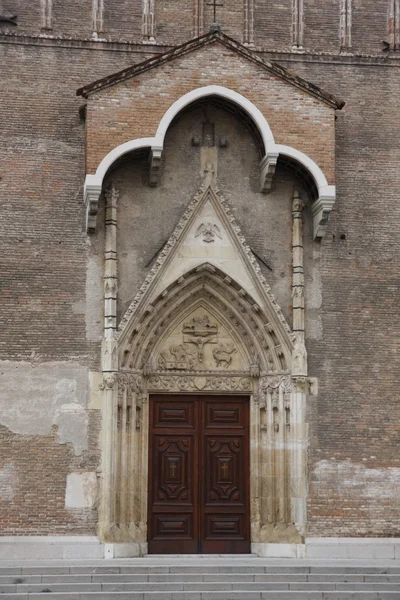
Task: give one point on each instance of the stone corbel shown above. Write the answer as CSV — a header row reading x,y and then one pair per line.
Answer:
x,y
267,171
91,196
321,210
155,165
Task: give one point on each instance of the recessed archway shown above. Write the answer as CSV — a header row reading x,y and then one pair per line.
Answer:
x,y
325,196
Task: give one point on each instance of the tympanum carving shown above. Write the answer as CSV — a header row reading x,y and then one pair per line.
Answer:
x,y
178,357
200,331
223,354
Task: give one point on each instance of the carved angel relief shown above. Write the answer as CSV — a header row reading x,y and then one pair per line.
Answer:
x,y
189,355
208,231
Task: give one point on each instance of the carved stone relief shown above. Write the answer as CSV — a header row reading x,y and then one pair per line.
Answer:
x,y
208,231
179,357
200,343
198,383
223,354
223,214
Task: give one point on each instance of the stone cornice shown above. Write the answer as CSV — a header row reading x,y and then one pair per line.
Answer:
x,y
388,59
213,37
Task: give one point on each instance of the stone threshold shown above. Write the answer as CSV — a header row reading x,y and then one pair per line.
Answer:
x,y
89,547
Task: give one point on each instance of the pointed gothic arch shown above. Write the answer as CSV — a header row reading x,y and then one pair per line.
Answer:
x,y
267,346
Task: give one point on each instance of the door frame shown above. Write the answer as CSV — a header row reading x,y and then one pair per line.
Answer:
x,y
277,513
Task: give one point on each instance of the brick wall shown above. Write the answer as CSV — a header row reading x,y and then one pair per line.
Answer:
x,y
310,130
34,472
273,24
354,422
322,25
370,26
175,22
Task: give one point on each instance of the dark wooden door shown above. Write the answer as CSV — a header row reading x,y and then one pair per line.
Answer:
x,y
199,475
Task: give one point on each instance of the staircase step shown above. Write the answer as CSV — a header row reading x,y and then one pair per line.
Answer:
x,y
200,579
197,577
197,587
235,595
157,569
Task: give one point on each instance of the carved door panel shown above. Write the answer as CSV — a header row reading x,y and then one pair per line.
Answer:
x,y
225,459
199,475
173,487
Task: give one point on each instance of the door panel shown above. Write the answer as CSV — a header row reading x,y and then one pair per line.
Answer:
x,y
224,510
199,475
173,490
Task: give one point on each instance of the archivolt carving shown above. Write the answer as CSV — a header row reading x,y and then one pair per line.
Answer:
x,y
206,285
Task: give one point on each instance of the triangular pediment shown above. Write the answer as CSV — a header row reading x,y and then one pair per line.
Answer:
x,y
210,237
214,37
208,240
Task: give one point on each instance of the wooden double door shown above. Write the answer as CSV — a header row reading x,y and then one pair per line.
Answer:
x,y
199,475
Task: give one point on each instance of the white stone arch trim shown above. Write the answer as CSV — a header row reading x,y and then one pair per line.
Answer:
x,y
223,92
326,193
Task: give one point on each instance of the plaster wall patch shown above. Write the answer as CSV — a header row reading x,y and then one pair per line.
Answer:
x,y
81,490
53,393
8,482
359,482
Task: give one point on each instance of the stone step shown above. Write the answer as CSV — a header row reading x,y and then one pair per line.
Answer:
x,y
198,587
156,569
197,577
206,579
212,595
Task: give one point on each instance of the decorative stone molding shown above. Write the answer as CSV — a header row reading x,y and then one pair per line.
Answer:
x,y
155,166
133,381
321,209
325,201
248,23
200,383
204,291
267,171
299,354
204,332
92,197
148,25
